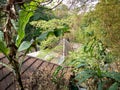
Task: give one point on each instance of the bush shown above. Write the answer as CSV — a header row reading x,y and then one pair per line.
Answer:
x,y
50,43
91,66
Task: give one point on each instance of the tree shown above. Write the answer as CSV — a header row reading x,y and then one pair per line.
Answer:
x,y
103,22
12,43
108,15
100,28
61,11
12,40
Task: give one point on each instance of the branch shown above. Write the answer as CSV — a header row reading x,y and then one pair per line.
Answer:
x,y
57,4
48,2
78,1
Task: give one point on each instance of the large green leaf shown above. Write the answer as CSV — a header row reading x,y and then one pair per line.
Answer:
x,y
3,48
24,17
23,20
24,45
114,86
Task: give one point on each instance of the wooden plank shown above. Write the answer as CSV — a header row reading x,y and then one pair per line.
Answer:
x,y
6,81
30,65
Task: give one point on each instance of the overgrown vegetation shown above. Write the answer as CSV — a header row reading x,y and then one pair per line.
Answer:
x,y
13,36
96,62
93,61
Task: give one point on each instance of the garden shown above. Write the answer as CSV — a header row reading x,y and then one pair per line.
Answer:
x,y
59,45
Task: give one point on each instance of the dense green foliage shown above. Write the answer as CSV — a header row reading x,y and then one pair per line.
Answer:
x,y
50,43
103,22
92,61
97,32
13,34
108,13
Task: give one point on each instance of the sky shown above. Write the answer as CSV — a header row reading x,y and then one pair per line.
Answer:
x,y
89,5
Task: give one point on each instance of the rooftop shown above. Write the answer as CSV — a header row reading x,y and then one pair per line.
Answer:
x,y
31,72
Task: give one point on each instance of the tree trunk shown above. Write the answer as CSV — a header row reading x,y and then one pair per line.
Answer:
x,y
15,64
9,39
19,80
